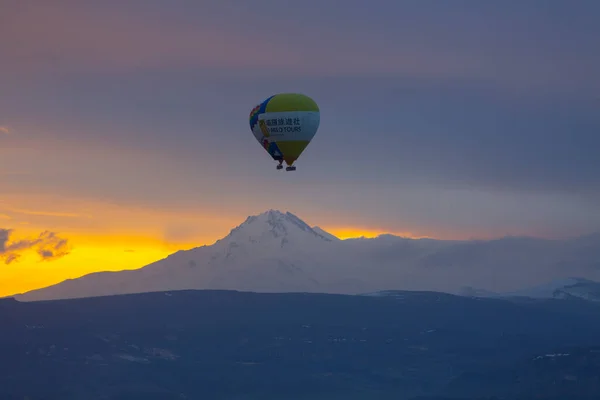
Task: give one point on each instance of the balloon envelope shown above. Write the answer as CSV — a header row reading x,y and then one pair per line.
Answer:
x,y
284,124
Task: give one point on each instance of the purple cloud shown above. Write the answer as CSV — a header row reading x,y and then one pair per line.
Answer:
x,y
47,245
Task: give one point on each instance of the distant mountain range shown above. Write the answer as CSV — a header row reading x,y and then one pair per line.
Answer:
x,y
579,288
188,345
278,252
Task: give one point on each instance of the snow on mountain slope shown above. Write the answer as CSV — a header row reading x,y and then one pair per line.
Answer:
x,y
557,289
469,291
561,288
588,290
278,252
325,234
270,252
546,290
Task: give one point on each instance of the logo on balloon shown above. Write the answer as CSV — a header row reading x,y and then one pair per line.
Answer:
x,y
263,127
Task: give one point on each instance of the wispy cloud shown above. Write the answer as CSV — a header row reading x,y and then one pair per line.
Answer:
x,y
52,214
48,245
4,130
45,213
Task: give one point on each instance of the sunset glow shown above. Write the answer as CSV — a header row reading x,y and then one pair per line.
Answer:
x,y
100,237
106,237
124,131
352,233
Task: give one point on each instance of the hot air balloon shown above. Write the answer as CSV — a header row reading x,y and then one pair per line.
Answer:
x,y
284,124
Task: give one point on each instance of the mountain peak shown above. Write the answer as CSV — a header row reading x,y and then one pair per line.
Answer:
x,y
274,224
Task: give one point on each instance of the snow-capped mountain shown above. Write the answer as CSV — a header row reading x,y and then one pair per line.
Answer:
x,y
278,252
270,252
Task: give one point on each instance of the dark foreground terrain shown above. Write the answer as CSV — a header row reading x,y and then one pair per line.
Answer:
x,y
231,345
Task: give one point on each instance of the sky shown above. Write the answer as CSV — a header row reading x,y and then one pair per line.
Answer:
x,y
124,129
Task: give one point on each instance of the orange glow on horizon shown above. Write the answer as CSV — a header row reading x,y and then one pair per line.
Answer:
x,y
109,237
101,237
88,254
30,273
355,233
95,252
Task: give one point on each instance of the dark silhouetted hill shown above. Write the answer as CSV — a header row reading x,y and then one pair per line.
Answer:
x,y
236,345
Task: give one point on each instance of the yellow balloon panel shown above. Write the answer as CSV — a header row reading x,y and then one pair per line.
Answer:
x,y
291,150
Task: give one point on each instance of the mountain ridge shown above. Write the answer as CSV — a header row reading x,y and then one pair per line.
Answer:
x,y
278,252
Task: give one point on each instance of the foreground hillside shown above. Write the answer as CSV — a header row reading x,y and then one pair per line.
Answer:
x,y
235,345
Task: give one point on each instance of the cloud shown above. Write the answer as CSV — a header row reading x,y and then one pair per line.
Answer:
x,y
4,130
11,257
510,44
47,245
50,214
47,213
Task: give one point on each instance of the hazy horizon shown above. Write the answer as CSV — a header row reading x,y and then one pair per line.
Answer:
x,y
124,133
276,252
